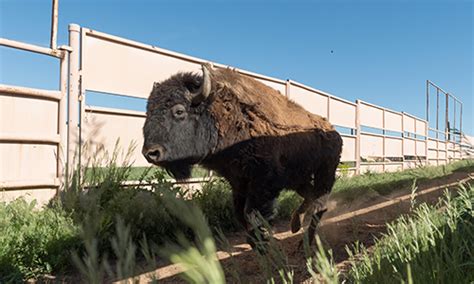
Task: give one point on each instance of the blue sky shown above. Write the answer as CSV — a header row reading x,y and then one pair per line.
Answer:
x,y
379,51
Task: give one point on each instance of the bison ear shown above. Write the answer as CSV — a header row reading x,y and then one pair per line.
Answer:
x,y
156,85
192,84
205,86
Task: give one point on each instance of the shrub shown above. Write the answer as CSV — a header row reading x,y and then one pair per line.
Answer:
x,y
100,205
34,242
287,202
215,200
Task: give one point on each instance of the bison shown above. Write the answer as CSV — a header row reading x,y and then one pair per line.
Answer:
x,y
257,139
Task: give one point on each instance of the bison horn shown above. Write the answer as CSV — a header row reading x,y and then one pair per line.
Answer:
x,y
205,88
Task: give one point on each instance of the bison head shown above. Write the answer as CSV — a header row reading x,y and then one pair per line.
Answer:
x,y
179,130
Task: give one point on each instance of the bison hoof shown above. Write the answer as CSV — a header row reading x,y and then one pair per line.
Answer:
x,y
296,221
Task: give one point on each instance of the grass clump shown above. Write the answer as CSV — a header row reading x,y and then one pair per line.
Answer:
x,y
434,245
34,242
215,200
287,202
349,188
198,257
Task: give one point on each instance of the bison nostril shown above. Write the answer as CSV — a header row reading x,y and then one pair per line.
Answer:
x,y
154,155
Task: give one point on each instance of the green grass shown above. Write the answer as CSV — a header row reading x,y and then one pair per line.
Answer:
x,y
434,245
383,183
34,242
139,173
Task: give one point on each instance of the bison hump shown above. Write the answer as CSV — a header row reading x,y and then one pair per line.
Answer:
x,y
246,108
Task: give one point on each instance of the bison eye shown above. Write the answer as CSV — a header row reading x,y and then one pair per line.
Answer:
x,y
179,111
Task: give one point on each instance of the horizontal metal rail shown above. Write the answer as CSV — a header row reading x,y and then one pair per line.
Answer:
x,y
113,111
30,92
29,184
381,163
130,183
31,48
348,135
381,135
29,138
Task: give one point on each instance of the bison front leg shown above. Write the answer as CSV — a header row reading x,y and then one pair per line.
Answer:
x,y
239,201
319,208
260,209
298,215
323,183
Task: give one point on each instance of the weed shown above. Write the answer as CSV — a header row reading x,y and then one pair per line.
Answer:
x,y
434,246
33,242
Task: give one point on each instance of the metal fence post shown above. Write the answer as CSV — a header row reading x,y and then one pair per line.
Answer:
x,y
62,120
54,24
73,102
383,141
403,141
287,88
427,134
460,133
357,150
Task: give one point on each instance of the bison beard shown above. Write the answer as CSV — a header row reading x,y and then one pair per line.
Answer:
x,y
180,170
250,134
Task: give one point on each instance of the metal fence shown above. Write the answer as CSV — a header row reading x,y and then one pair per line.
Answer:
x,y
33,133
35,153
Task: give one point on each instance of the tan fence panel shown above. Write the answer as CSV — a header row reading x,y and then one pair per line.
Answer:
x,y
442,155
103,127
393,147
27,162
409,147
371,116
371,146
20,115
41,195
311,101
432,154
342,113
348,149
450,145
420,148
421,127
29,140
432,144
124,69
374,168
119,66
408,124
411,164
393,121
450,154
442,145
393,167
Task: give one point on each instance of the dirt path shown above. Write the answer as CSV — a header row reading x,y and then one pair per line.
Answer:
x,y
343,224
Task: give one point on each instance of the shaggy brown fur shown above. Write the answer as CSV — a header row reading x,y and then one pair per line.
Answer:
x,y
245,108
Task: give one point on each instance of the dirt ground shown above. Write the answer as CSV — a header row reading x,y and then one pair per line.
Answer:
x,y
343,224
